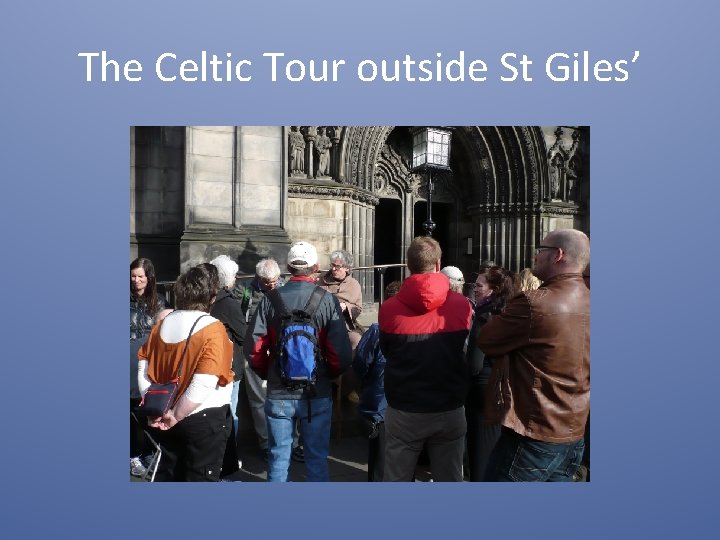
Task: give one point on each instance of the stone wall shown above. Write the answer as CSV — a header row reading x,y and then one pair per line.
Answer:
x,y
318,221
209,161
235,185
157,196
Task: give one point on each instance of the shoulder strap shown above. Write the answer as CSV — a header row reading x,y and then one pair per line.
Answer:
x,y
313,302
187,342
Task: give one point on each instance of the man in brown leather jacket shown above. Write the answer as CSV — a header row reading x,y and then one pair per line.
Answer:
x,y
541,343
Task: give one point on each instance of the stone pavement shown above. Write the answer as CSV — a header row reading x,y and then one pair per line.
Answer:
x,y
347,460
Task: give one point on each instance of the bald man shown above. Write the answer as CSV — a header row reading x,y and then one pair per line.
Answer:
x,y
541,376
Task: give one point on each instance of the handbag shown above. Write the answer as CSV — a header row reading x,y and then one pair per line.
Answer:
x,y
160,397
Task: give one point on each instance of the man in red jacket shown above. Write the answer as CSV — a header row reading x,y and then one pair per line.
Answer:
x,y
422,332
311,405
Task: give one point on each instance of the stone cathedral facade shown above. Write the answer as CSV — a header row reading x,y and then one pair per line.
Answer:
x,y
249,191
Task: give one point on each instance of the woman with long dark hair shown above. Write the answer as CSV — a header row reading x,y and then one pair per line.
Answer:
x,y
494,285
145,305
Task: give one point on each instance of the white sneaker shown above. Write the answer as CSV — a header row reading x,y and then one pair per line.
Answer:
x,y
136,467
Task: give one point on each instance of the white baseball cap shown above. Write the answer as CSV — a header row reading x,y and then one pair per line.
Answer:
x,y
302,255
453,273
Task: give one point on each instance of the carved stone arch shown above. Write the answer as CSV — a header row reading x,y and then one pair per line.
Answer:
x,y
392,176
536,168
361,148
474,174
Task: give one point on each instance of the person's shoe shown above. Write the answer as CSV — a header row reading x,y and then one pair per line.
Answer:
x,y
581,474
298,454
137,468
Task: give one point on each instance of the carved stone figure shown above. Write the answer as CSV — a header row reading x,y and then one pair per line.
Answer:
x,y
556,166
297,151
323,145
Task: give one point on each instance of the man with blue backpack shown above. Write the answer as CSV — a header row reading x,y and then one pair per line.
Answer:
x,y
297,341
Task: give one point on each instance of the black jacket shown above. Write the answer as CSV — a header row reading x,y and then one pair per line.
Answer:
x,y
228,310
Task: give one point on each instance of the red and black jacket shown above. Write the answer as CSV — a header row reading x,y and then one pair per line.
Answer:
x,y
423,329
333,339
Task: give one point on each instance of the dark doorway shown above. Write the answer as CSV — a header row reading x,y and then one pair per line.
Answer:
x,y
387,238
443,222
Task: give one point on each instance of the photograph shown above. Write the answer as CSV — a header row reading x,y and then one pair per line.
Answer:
x,y
341,303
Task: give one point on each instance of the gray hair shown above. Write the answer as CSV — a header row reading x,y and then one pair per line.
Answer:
x,y
267,269
345,257
227,269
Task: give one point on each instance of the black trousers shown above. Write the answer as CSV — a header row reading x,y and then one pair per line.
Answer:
x,y
193,449
481,437
376,449
139,445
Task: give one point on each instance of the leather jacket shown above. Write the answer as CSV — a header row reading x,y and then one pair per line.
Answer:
x,y
541,388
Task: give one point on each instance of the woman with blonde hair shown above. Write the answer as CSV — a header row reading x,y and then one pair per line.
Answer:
x,y
528,281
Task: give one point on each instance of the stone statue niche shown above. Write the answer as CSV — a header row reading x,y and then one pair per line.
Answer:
x,y
557,172
573,171
323,144
296,152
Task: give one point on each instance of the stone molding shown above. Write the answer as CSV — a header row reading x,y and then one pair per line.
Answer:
x,y
318,190
514,209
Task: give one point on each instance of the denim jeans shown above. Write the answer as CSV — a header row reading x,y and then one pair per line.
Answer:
x,y
521,459
315,435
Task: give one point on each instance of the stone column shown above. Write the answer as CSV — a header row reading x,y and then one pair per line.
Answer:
x,y
335,152
310,136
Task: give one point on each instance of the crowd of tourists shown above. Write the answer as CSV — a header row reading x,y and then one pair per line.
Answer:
x,y
486,381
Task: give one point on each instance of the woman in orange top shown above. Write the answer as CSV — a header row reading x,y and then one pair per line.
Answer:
x,y
194,432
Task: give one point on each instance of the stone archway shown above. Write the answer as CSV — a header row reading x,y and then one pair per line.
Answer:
x,y
501,197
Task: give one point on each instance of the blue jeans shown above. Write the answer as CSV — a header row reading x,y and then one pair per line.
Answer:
x,y
521,459
315,435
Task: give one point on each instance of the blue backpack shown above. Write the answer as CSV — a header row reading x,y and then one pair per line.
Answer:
x,y
297,350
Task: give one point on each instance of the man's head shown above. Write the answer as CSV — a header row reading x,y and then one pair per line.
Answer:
x,y
268,273
563,251
302,259
423,255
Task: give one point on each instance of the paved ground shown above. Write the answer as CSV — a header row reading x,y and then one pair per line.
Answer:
x,y
347,461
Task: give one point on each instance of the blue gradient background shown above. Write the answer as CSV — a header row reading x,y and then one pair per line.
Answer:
x,y
65,216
